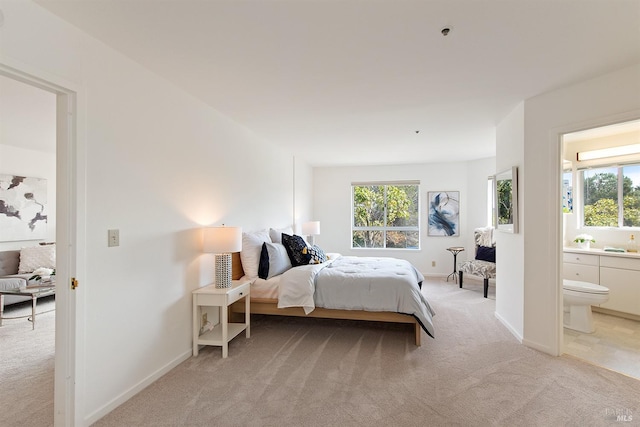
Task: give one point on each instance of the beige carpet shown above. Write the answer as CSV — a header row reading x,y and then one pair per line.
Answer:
x,y
308,372
26,367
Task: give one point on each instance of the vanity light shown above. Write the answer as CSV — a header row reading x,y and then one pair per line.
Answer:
x,y
222,241
623,150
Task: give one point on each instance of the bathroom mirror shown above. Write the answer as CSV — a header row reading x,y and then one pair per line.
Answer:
x,y
506,197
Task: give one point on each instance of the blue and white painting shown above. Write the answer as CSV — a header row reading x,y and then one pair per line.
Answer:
x,y
444,213
23,208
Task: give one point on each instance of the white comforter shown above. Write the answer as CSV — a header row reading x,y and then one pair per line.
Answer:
x,y
357,283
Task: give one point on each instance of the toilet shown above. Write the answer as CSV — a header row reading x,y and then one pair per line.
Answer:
x,y
578,298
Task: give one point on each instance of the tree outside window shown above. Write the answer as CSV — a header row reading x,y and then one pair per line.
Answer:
x,y
612,196
386,216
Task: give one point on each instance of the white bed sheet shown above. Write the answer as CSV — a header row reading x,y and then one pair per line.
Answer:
x,y
261,288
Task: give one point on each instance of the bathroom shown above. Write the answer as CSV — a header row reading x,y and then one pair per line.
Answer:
x,y
601,229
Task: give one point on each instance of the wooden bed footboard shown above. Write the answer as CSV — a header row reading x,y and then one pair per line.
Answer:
x,y
270,306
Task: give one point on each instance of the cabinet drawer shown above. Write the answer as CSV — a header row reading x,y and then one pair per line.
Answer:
x,y
584,259
620,262
238,293
582,273
210,299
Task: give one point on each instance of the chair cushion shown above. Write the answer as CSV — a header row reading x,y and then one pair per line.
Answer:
x,y
15,281
479,268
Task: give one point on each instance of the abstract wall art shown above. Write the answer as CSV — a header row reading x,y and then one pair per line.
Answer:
x,y
23,208
444,213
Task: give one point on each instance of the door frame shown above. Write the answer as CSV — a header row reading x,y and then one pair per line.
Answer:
x,y
69,240
557,140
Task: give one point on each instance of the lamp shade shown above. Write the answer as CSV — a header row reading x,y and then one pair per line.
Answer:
x,y
221,240
311,228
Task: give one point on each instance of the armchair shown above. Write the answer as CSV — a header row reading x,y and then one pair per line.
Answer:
x,y
484,264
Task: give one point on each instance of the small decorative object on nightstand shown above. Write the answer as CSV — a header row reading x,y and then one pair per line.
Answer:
x,y
224,331
222,241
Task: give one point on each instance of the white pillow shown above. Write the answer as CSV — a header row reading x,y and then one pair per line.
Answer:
x,y
34,257
274,260
276,233
250,254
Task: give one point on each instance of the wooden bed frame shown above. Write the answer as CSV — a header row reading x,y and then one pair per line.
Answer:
x,y
270,306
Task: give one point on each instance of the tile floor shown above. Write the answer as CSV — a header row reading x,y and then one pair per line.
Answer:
x,y
614,345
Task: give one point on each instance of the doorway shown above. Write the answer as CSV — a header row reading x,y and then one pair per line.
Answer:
x,y
67,238
600,201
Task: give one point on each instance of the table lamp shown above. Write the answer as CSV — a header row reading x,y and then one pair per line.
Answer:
x,y
311,229
222,241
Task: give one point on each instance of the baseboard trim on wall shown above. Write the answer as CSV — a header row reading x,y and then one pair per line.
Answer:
x,y
603,310
509,327
137,388
434,275
539,347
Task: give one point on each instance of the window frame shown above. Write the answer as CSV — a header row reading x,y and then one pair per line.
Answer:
x,y
386,228
619,167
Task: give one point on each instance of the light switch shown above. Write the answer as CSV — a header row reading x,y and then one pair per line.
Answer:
x,y
114,238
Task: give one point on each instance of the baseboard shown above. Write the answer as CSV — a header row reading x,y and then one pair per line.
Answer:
x,y
434,275
537,346
610,312
137,388
509,327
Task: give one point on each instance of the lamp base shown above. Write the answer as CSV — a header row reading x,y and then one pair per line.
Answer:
x,y
223,270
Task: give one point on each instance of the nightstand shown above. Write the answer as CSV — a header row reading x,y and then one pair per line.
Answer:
x,y
224,331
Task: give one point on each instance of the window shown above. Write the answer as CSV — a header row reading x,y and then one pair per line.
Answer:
x,y
567,192
611,196
491,206
386,215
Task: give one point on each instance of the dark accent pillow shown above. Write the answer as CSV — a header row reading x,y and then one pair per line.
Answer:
x,y
317,255
263,265
486,253
296,249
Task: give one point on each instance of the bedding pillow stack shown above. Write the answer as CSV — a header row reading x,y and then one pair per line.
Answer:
x,y
266,254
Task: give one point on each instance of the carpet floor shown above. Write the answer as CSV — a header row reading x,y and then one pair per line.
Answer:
x,y
310,372
26,371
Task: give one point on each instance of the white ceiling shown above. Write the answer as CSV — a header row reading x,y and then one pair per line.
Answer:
x,y
351,81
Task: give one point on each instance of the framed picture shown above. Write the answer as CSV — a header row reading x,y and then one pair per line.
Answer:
x,y
444,213
23,208
507,200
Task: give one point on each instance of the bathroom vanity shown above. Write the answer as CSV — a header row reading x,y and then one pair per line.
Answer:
x,y
620,272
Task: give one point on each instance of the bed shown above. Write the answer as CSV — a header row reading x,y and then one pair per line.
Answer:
x,y
350,288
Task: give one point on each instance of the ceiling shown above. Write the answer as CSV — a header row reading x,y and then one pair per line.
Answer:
x,y
344,82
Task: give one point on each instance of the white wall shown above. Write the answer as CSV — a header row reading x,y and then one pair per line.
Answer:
x,y
37,164
332,207
509,269
156,164
603,100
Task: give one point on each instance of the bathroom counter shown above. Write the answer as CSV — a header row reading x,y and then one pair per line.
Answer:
x,y
602,252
